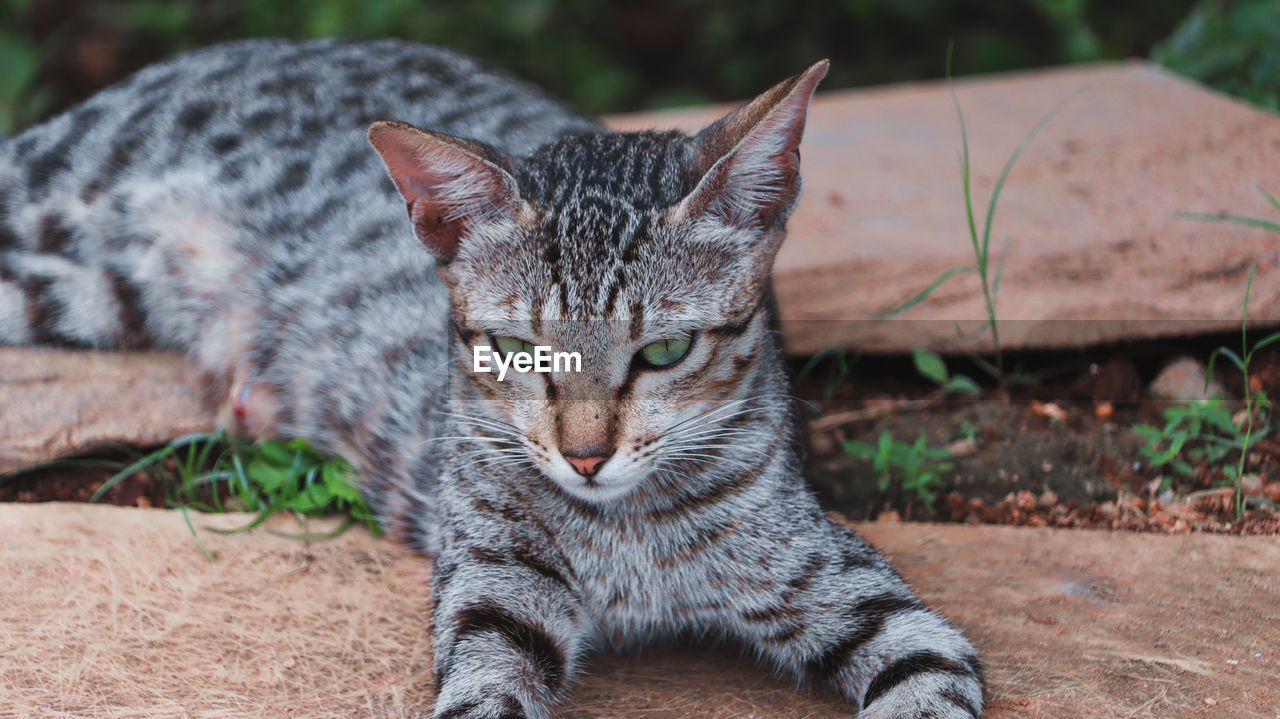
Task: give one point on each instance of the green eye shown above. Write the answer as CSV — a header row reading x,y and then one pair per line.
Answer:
x,y
509,345
665,353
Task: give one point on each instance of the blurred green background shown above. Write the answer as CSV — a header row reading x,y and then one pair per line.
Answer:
x,y
639,54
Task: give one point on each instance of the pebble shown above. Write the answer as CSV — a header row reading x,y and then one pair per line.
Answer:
x,y
963,447
822,443
1025,501
1183,380
1049,409
1251,484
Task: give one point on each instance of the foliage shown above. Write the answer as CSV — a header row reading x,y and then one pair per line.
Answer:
x,y
1254,401
834,364
1199,431
1231,45
988,274
931,366
213,472
602,56
915,467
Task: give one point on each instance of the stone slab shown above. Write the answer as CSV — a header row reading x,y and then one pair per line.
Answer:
x,y
114,612
55,403
1096,252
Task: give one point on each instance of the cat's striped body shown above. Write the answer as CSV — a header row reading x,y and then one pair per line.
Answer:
x,y
226,203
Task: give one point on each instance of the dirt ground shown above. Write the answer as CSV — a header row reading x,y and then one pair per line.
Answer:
x,y
114,612
1057,451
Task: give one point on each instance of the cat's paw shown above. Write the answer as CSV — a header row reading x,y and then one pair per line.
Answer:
x,y
497,706
928,697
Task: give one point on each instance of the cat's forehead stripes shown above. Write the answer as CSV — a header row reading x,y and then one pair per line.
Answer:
x,y
597,195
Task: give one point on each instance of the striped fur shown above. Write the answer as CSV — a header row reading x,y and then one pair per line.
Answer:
x,y
225,203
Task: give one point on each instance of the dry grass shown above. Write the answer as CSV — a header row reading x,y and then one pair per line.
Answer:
x,y
113,612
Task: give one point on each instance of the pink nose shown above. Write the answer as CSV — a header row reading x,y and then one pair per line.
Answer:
x,y
586,466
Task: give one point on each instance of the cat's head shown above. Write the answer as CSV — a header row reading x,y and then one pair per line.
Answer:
x,y
648,254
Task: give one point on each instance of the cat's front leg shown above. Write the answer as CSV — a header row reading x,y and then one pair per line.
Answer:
x,y
509,632
841,616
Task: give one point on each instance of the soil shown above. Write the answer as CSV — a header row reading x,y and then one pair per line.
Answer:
x,y
1059,451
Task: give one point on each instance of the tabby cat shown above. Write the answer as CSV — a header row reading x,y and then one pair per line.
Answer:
x,y
226,203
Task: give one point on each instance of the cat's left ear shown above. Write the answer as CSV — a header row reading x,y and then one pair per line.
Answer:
x,y
451,184
750,158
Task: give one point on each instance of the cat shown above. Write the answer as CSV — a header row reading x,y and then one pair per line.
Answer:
x,y
227,203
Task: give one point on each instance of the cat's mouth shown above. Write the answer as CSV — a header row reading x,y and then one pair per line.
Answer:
x,y
604,485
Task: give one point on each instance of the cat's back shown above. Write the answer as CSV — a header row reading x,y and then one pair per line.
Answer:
x,y
281,109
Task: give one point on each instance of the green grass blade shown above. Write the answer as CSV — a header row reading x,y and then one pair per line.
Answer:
x,y
203,549
995,283
1265,341
151,459
1270,198
1231,219
1213,357
1013,160
317,536
985,366
923,295
964,156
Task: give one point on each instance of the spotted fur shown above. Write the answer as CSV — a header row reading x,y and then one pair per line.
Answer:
x,y
226,203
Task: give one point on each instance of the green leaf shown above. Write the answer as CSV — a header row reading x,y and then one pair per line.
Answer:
x,y
269,476
335,479
1266,341
930,365
1146,430
1229,354
942,278
857,449
963,384
276,453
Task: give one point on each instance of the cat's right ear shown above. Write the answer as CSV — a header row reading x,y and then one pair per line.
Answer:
x,y
450,184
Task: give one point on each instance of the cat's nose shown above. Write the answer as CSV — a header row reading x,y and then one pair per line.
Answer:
x,y
587,466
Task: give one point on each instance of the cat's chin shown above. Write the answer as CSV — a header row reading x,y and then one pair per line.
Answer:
x,y
595,492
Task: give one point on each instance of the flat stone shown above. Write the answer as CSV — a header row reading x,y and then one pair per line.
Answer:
x,y
1096,250
56,403
1183,380
115,612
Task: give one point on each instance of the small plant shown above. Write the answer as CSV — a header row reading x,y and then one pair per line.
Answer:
x,y
989,273
931,366
213,472
1197,431
834,364
1254,401
916,467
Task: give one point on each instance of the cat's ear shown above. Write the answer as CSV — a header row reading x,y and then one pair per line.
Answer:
x,y
450,184
749,160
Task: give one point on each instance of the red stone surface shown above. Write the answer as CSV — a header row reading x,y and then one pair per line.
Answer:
x,y
114,612
1096,249
56,403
